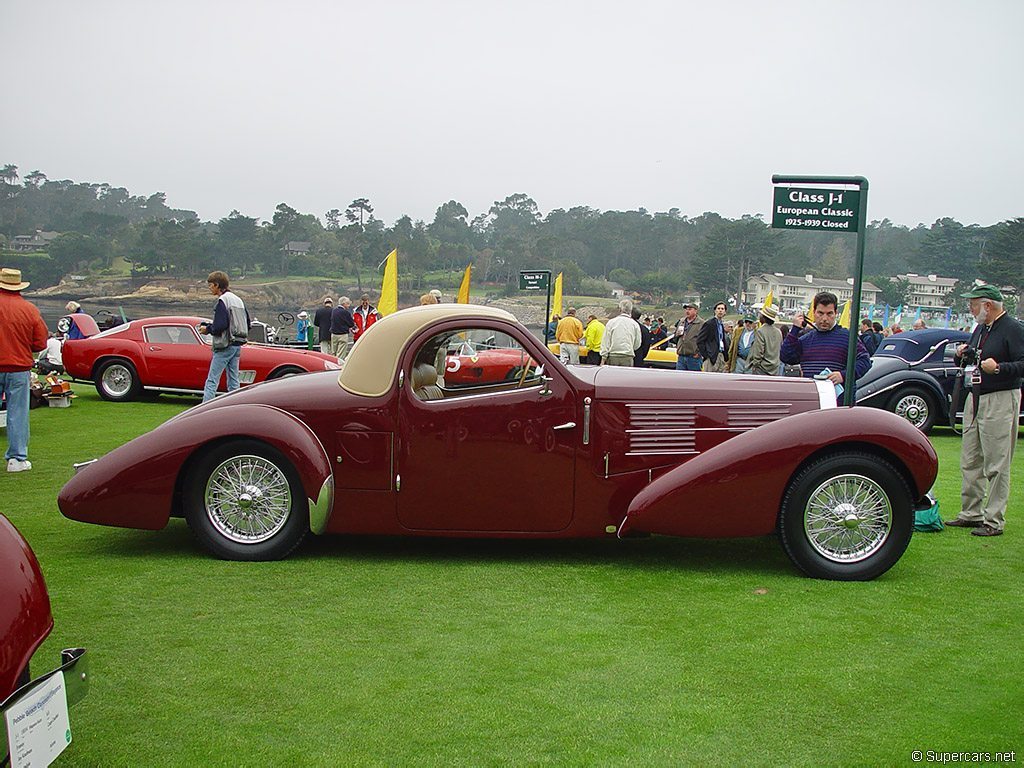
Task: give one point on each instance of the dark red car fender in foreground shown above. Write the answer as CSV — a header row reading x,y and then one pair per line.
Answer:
x,y
25,617
685,500
129,491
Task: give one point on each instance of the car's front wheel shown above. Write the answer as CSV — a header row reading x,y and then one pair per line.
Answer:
x,y
244,501
848,516
916,405
118,381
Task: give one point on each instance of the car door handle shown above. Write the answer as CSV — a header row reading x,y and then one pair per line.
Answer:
x,y
156,349
567,425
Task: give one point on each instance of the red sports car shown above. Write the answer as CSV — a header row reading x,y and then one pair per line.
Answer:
x,y
387,447
168,354
25,621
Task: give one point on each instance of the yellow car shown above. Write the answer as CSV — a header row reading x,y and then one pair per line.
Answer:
x,y
660,355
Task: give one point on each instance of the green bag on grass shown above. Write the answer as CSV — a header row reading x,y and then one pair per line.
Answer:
x,y
929,520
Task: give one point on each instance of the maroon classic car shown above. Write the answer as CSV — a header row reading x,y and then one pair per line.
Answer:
x,y
168,354
25,621
389,447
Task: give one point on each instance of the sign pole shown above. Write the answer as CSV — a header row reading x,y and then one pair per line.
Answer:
x,y
807,212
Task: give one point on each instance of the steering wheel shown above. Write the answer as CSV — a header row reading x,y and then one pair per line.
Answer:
x,y
286,318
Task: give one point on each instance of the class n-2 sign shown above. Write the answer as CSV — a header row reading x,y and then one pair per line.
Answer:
x,y
829,210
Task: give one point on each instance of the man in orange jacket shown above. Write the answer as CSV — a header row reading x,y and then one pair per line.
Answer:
x,y
22,333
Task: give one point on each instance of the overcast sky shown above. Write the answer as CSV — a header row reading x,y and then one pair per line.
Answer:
x,y
614,105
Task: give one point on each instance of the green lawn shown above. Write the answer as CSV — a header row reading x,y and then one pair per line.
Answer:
x,y
394,652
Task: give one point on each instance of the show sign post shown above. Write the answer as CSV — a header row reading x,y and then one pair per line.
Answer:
x,y
828,204
536,280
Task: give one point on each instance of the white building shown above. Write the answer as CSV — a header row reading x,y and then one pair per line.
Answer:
x,y
929,291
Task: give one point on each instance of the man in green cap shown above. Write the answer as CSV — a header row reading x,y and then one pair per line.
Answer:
x,y
994,359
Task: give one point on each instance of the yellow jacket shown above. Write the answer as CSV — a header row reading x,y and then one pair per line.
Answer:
x,y
595,332
569,330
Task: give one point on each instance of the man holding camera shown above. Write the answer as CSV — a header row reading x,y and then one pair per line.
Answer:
x,y
993,363
824,346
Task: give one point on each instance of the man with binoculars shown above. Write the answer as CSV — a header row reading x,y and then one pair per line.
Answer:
x,y
993,363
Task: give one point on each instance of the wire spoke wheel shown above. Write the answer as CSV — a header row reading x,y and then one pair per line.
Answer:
x,y
914,409
847,518
248,499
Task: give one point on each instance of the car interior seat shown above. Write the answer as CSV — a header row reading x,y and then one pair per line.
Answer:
x,y
424,382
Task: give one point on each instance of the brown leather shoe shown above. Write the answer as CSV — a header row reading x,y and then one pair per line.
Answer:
x,y
986,530
961,523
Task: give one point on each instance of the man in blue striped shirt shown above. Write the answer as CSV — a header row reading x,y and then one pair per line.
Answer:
x,y
825,345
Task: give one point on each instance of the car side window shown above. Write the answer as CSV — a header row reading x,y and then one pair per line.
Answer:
x,y
171,334
950,352
471,361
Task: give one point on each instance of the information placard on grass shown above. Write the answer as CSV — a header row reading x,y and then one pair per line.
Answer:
x,y
828,210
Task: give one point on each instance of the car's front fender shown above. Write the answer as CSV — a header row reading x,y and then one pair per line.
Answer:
x,y
736,488
134,485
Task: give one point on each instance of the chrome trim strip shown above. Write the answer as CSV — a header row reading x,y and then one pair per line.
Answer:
x,y
79,466
586,420
320,510
606,466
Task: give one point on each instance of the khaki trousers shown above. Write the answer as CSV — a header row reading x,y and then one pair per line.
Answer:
x,y
986,454
340,345
625,361
716,367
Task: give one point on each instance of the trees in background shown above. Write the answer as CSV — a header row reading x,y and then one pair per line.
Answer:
x,y
660,253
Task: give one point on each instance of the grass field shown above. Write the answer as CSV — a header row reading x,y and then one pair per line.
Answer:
x,y
433,652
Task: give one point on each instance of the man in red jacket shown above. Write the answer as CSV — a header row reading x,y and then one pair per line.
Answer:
x,y
364,315
22,333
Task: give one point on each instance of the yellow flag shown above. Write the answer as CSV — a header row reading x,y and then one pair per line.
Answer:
x,y
556,302
463,297
768,299
389,286
844,319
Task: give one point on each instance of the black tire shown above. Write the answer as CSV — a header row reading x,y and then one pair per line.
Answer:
x,y
244,501
283,373
117,381
917,405
862,529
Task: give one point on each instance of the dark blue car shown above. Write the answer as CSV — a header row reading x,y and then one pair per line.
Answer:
x,y
912,374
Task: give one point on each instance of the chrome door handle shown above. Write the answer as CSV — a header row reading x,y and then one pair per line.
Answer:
x,y
567,425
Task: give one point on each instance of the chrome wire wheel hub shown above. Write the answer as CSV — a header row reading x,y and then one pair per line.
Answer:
x,y
248,499
913,408
848,518
117,380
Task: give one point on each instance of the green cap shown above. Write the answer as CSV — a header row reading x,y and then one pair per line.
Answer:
x,y
749,318
983,292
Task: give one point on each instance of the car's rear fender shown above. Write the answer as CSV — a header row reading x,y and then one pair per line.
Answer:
x,y
138,485
736,488
877,393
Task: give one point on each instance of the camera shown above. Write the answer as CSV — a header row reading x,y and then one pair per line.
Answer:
x,y
969,357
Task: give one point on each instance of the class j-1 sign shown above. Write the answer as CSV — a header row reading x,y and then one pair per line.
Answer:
x,y
828,210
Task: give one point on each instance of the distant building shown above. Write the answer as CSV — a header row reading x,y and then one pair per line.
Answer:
x,y
40,241
793,293
297,246
929,291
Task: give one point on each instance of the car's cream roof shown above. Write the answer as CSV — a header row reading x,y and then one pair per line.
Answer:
x,y
372,364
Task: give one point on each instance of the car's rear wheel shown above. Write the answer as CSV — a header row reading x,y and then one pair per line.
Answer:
x,y
916,405
117,381
244,501
847,516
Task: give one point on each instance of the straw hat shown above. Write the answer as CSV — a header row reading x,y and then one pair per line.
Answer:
x,y
770,311
10,280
